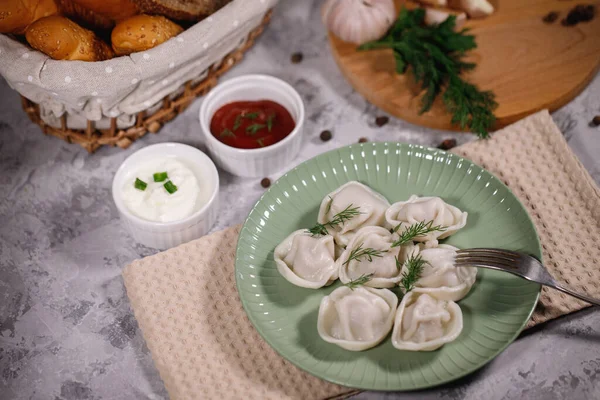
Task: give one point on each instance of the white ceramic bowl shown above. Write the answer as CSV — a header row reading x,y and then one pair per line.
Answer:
x,y
256,163
163,235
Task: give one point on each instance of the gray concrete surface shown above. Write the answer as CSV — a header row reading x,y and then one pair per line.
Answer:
x,y
66,328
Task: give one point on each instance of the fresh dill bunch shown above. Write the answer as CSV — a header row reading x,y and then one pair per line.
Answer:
x,y
345,215
469,106
435,55
368,252
414,269
361,280
415,230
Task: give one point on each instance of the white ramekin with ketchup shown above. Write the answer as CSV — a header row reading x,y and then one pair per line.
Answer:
x,y
253,125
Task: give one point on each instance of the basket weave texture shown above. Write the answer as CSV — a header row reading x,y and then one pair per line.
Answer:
x,y
117,101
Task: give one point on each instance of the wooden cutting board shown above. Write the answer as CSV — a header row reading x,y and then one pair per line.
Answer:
x,y
530,65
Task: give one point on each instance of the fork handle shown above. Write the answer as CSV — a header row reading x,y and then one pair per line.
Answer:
x,y
590,300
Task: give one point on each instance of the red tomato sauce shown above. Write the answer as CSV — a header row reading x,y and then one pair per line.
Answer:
x,y
251,124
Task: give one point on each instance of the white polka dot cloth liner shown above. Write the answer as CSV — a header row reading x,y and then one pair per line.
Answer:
x,y
124,86
203,345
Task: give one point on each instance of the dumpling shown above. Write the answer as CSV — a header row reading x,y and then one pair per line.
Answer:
x,y
356,319
440,278
424,209
424,323
306,260
371,206
383,266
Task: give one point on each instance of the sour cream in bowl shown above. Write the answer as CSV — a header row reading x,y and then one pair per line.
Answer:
x,y
167,194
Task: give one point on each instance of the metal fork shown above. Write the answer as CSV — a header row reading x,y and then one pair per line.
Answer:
x,y
519,264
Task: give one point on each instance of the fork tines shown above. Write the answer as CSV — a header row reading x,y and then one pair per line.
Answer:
x,y
485,256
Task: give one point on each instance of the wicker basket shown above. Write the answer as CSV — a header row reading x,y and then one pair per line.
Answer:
x,y
151,119
92,138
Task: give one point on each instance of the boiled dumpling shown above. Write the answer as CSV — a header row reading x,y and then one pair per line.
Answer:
x,y
371,206
424,323
424,209
383,267
440,278
356,319
306,260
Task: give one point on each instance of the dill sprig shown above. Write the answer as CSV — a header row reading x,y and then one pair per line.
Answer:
x,y
238,119
252,129
346,214
252,115
368,252
415,230
227,133
398,264
270,120
361,280
237,123
414,269
436,57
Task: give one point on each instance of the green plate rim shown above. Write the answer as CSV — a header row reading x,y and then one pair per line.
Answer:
x,y
346,384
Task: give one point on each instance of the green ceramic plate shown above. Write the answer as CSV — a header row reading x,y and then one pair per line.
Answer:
x,y
495,311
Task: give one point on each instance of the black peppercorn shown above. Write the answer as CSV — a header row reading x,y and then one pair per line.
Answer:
x,y
447,144
362,140
550,17
381,121
580,13
266,182
297,58
596,120
325,135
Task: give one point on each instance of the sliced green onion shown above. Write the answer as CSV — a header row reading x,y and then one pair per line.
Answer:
x,y
160,176
140,184
252,129
270,122
252,115
170,187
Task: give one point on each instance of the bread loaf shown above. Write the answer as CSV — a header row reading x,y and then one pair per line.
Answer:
x,y
115,10
84,16
62,39
16,15
189,10
142,32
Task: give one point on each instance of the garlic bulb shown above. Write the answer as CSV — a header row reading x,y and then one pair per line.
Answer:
x,y
435,17
474,8
358,21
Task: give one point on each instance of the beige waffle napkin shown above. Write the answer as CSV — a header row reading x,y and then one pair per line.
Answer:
x,y
204,347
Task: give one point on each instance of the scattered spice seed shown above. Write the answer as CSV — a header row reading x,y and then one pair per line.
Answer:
x,y
325,135
381,121
297,58
596,120
580,13
266,182
550,17
363,140
447,144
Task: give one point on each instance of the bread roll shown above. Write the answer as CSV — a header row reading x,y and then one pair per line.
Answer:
x,y
142,32
112,9
63,39
16,15
189,10
84,16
